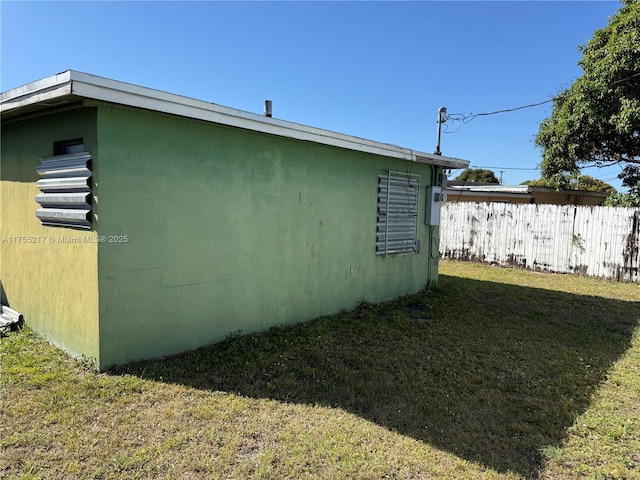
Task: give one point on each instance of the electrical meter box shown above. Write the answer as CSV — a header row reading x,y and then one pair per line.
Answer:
x,y
435,197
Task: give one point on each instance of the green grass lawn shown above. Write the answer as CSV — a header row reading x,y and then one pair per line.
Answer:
x,y
495,373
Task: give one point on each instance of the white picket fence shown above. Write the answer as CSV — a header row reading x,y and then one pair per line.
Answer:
x,y
597,241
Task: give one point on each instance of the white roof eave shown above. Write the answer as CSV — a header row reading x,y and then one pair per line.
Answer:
x,y
46,92
82,85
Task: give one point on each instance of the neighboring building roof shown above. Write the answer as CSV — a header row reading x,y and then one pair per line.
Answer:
x,y
465,192
71,87
490,187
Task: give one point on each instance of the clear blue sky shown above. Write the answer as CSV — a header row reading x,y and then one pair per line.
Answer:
x,y
378,70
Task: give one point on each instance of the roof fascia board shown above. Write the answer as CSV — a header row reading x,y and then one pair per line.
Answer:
x,y
441,160
46,96
37,86
85,85
215,113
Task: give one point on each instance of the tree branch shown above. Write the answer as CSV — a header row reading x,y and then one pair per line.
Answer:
x,y
626,159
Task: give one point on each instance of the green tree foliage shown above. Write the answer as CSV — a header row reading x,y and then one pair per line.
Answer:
x,y
582,182
541,182
590,184
596,121
622,200
477,175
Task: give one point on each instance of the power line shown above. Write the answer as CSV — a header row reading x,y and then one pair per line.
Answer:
x,y
459,117
514,109
504,168
609,179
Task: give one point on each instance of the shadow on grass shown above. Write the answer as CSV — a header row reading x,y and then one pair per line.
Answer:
x,y
491,372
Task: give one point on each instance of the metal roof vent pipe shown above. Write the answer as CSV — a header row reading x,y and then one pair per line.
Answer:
x,y
268,108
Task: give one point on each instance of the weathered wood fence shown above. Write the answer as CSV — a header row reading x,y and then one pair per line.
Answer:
x,y
596,241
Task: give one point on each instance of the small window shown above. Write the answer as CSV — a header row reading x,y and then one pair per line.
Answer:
x,y
397,226
68,146
65,191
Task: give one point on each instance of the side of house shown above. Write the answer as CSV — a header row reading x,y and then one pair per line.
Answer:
x,y
230,230
209,220
50,274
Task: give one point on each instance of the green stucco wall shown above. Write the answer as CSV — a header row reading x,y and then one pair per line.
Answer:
x,y
43,274
230,230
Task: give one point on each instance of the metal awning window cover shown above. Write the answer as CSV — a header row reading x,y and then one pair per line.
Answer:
x,y
397,225
65,190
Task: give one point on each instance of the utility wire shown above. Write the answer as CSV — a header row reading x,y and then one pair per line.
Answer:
x,y
514,109
461,118
504,168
